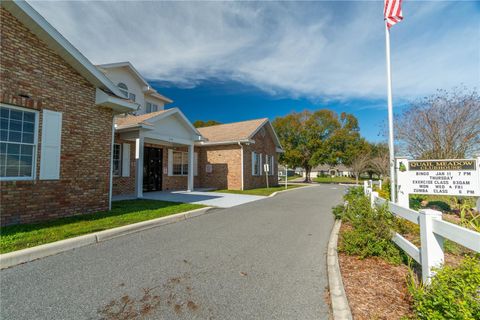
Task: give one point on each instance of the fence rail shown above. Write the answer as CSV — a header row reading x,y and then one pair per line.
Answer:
x,y
433,231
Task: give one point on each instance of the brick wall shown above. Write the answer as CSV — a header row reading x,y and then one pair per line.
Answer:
x,y
226,169
35,77
265,145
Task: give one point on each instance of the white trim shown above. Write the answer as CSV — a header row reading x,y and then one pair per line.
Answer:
x,y
221,143
45,165
147,88
44,30
275,137
33,177
117,104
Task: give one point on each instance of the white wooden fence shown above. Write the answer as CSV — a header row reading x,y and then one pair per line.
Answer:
x,y
433,230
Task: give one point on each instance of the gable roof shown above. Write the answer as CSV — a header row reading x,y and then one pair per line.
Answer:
x,y
22,11
148,90
235,132
148,119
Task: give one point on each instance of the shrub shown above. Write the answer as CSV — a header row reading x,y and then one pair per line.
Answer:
x,y
439,205
371,233
454,293
415,201
385,191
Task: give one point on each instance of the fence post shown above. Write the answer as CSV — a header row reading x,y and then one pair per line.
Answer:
x,y
365,187
373,196
431,250
380,184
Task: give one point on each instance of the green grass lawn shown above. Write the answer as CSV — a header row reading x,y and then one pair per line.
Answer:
x,y
295,176
336,180
123,212
261,191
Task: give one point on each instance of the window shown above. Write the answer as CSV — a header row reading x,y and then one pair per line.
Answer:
x,y
117,159
180,163
18,143
123,88
151,107
270,160
256,164
131,96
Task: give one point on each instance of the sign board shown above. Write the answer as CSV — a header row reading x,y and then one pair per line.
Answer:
x,y
208,168
458,177
266,167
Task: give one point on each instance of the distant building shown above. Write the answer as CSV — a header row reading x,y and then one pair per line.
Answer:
x,y
326,170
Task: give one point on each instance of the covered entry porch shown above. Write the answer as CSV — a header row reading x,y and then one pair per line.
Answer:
x,y
161,147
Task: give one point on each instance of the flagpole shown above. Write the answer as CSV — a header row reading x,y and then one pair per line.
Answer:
x,y
390,117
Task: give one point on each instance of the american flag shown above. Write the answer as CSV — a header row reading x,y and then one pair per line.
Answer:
x,y
392,12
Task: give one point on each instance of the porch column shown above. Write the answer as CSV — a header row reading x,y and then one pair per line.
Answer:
x,y
139,167
190,167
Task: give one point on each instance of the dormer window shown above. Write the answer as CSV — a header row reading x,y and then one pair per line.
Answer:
x,y
151,107
123,88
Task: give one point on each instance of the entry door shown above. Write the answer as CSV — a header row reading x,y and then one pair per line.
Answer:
x,y
152,169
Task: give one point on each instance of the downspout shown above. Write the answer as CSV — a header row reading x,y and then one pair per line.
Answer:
x,y
241,162
111,166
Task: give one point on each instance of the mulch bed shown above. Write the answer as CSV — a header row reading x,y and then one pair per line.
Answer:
x,y
375,289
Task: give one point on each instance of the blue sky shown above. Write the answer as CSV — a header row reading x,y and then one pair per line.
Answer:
x,y
232,61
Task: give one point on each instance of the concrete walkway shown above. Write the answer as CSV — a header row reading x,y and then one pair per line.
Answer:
x,y
261,260
212,199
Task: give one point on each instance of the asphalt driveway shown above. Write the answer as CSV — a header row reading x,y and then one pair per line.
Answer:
x,y
261,260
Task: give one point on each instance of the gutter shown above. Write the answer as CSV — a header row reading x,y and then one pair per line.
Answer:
x,y
219,143
241,164
110,193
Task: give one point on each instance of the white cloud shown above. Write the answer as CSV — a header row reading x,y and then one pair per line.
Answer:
x,y
302,49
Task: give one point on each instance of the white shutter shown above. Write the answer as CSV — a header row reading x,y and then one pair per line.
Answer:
x,y
260,167
126,160
51,145
195,163
170,162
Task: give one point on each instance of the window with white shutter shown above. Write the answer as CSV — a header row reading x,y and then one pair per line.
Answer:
x,y
51,145
18,143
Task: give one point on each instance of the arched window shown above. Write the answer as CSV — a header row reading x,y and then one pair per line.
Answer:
x,y
123,88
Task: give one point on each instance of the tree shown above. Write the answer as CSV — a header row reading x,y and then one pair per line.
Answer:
x,y
209,123
380,161
305,137
445,125
360,163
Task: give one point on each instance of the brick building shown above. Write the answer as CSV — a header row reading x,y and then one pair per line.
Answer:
x,y
158,150
73,134
233,155
56,115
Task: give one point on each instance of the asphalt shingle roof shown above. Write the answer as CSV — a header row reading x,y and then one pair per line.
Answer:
x,y
231,131
132,120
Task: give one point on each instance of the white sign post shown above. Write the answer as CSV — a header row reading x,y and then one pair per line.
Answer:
x,y
266,169
457,177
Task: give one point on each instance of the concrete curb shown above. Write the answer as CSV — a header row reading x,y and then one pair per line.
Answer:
x,y
26,255
340,307
277,192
